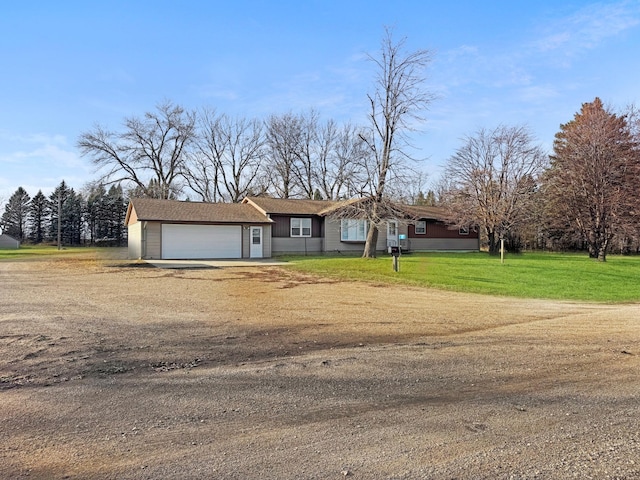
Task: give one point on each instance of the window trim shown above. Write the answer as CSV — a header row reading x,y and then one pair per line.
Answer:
x,y
424,232
301,226
358,228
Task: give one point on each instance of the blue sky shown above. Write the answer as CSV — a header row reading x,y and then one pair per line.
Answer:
x,y
68,65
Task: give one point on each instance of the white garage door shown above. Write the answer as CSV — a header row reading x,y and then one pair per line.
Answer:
x,y
201,241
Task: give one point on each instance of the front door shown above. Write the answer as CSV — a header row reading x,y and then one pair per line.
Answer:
x,y
256,242
392,233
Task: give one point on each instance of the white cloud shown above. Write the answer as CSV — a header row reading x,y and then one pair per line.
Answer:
x,y
52,149
588,27
214,91
39,161
538,93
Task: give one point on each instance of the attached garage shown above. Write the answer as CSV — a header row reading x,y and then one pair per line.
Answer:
x,y
201,241
171,229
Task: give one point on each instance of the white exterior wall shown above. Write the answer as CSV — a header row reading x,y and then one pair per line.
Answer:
x,y
134,242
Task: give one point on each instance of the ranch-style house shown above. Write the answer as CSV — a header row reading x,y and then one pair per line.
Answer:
x,y
261,227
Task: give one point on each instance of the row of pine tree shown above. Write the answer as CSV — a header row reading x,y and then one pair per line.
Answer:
x,y
95,217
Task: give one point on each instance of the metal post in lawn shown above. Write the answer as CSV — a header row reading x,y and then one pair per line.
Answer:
x,y
501,250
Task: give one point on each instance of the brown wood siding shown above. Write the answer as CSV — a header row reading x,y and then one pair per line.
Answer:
x,y
282,226
439,230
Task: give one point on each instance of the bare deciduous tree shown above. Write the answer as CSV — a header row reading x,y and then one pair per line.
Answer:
x,y
341,155
227,159
202,172
306,153
150,152
490,181
399,98
408,186
283,134
594,177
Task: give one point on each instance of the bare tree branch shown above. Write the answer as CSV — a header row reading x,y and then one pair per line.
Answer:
x,y
399,97
149,152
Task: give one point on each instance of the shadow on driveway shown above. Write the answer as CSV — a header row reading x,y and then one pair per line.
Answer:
x,y
210,264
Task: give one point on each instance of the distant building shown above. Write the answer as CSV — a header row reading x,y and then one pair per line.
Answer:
x,y
7,242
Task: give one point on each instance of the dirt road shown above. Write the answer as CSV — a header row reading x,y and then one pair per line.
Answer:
x,y
110,370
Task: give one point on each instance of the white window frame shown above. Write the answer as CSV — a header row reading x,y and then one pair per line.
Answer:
x,y
424,228
353,230
463,231
302,225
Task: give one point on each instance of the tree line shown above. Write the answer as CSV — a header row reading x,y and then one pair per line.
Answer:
x,y
95,217
500,180
583,196
173,152
212,157
209,156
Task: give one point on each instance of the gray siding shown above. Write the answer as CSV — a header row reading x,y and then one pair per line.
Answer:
x,y
152,240
296,245
134,234
246,241
443,244
332,241
266,241
8,242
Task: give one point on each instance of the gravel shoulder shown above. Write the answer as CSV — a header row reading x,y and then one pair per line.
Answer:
x,y
114,369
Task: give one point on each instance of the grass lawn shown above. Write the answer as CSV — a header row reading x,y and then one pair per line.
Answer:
x,y
26,251
531,275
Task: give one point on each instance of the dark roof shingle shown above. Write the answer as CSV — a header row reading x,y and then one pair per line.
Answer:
x,y
289,206
196,212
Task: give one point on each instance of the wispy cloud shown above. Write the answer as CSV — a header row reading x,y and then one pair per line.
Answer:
x,y
554,43
53,149
587,28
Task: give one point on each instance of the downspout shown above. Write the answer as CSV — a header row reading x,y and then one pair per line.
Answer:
x,y
143,243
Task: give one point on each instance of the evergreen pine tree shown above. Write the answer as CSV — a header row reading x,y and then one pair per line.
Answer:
x,y
15,216
38,216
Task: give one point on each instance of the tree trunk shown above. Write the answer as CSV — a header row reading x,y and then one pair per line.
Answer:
x,y
493,243
372,241
602,251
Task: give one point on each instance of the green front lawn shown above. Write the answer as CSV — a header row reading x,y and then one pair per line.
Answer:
x,y
27,251
532,275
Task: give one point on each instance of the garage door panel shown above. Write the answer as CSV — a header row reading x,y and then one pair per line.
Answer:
x,y
201,241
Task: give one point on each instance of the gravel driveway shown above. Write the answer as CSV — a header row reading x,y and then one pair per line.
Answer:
x,y
111,369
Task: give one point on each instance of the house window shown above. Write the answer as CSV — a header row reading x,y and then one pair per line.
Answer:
x,y
353,230
300,227
463,231
421,227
